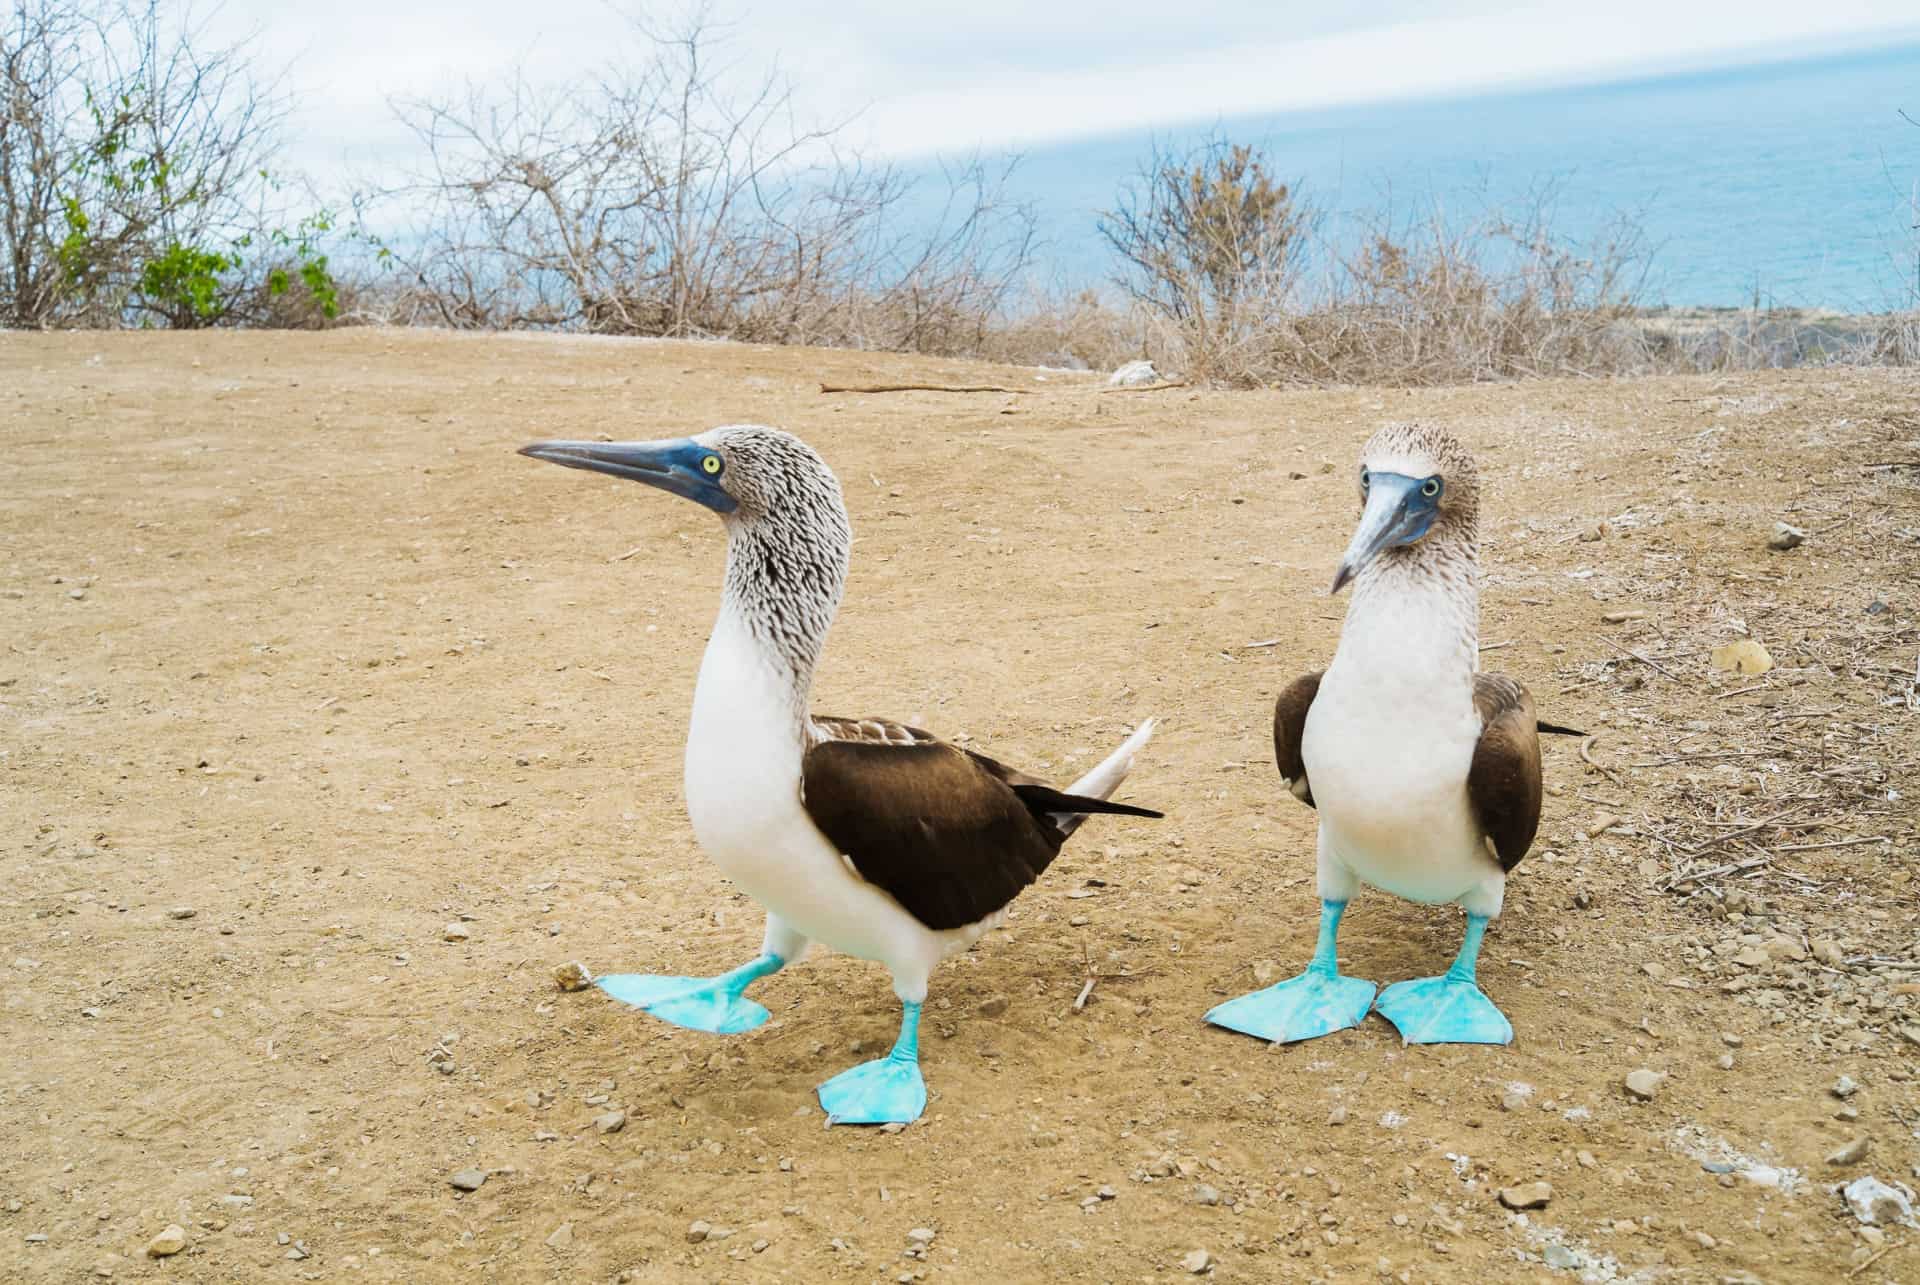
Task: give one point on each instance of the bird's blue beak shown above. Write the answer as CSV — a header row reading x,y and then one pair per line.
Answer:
x,y
1399,511
681,466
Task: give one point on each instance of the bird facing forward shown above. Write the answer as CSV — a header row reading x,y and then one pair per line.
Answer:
x,y
1425,771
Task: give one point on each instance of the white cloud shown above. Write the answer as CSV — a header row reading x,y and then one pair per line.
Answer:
x,y
999,72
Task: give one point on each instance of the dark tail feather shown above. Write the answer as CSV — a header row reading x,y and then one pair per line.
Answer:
x,y
1043,798
1554,729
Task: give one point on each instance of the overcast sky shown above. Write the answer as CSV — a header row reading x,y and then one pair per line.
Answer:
x,y
1003,73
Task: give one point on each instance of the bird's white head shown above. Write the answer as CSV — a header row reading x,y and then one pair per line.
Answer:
x,y
788,535
1419,496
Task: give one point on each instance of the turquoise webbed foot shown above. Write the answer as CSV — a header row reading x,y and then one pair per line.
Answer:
x,y
1317,1002
1299,1008
714,1004
889,1090
1443,1010
1451,1009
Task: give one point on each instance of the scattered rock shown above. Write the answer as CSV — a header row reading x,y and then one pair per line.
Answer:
x,y
182,912
1879,1203
1337,1116
1205,1195
1133,375
468,1179
572,976
1197,1262
1560,1258
610,1121
1828,952
1753,957
455,932
1786,536
1643,1084
1622,617
1528,1195
698,1231
169,1242
1853,1153
1844,1087
994,1007
1106,1193
1265,972
1742,656
921,1236
562,1237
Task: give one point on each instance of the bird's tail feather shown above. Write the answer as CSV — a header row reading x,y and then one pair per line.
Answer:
x,y
1105,778
1554,729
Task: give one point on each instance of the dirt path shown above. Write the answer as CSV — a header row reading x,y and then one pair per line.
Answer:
x,y
302,665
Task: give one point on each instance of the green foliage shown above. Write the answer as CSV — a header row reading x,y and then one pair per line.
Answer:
x,y
184,283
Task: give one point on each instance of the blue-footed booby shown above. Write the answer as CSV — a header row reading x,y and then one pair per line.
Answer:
x,y
869,836
1425,771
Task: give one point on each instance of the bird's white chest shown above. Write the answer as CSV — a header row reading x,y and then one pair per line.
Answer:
x,y
743,760
1388,744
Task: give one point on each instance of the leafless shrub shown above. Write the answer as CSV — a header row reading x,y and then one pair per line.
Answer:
x,y
132,150
653,201
1209,245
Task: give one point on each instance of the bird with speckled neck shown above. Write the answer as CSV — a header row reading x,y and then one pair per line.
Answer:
x,y
1424,770
871,837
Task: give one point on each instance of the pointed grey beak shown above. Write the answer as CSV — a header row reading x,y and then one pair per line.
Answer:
x,y
679,466
1396,513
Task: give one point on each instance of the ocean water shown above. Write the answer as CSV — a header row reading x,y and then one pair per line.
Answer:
x,y
1793,183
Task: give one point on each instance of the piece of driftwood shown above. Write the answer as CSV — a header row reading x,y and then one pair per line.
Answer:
x,y
924,388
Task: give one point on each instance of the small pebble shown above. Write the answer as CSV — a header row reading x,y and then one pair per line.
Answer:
x,y
169,1242
1853,1153
1643,1084
1205,1195
455,932
468,1179
1725,1062
698,1231
1844,1087
562,1237
182,912
610,1121
1337,1116
1197,1262
572,976
1786,536
1527,1195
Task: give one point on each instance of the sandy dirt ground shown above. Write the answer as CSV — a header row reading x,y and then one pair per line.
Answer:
x,y
302,665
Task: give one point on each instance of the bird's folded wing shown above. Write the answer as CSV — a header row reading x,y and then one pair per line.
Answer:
x,y
1504,781
940,829
1289,726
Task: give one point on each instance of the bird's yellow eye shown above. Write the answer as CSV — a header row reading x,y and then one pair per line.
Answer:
x,y
1431,487
711,464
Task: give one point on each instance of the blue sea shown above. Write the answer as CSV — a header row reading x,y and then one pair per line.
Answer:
x,y
1790,183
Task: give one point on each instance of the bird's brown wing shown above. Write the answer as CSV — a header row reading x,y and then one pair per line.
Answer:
x,y
1289,725
1504,782
952,835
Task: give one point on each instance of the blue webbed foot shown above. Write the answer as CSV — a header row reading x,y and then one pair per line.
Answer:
x,y
1450,1009
1300,1008
1443,1010
889,1090
714,1004
1317,1002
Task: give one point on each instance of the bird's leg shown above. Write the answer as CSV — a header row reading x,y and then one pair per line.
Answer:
x,y
889,1090
1450,1009
716,1004
1317,1002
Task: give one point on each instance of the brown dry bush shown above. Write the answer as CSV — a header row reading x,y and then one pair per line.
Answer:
x,y
654,201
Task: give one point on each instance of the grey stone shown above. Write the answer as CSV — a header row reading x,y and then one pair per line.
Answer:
x,y
468,1179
